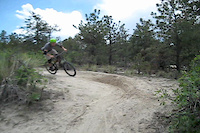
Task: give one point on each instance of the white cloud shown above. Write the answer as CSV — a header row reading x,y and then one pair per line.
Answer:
x,y
127,11
25,12
64,20
124,9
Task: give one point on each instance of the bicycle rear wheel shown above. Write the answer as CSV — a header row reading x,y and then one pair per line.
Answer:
x,y
51,68
69,69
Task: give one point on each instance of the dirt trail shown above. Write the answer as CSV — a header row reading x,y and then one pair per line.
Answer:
x,y
91,102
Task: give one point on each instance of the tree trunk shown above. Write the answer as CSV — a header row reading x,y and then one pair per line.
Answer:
x,y
110,52
178,52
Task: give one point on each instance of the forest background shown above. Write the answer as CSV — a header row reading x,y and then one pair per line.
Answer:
x,y
172,40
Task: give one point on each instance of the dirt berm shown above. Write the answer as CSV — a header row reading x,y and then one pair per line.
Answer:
x,y
91,102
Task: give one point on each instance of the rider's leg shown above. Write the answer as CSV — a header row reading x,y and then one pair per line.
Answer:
x,y
49,60
59,61
55,53
50,65
52,52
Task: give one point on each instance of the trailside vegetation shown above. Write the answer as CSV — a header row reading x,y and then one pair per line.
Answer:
x,y
163,46
186,117
185,101
20,81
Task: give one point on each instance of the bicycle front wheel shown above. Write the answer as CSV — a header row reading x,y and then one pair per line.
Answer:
x,y
69,69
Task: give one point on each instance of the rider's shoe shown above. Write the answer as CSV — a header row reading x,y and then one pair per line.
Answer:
x,y
60,65
52,68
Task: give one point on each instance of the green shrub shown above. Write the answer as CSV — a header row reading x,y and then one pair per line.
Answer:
x,y
27,76
86,67
33,59
141,65
5,64
109,69
186,118
9,61
19,80
169,75
29,79
130,72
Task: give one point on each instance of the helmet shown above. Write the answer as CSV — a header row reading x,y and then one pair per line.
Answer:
x,y
53,40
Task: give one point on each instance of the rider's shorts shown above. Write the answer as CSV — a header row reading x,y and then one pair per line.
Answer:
x,y
52,52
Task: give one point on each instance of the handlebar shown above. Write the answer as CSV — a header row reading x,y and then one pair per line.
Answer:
x,y
56,56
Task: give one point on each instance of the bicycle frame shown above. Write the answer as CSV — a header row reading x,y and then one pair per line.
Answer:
x,y
60,54
56,58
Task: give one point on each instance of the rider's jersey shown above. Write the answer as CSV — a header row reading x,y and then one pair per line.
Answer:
x,y
48,47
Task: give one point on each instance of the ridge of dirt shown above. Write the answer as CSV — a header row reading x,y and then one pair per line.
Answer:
x,y
91,102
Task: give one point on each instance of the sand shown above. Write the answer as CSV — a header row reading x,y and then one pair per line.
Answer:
x,y
91,102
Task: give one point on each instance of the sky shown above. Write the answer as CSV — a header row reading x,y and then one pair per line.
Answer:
x,y
66,13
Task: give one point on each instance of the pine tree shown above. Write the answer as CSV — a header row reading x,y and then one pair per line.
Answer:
x,y
178,24
37,30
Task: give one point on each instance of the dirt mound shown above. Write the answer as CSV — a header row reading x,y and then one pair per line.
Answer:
x,y
90,102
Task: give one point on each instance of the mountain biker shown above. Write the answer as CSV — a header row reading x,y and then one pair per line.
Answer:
x,y
49,51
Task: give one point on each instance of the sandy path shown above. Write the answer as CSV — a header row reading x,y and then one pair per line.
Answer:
x,y
91,102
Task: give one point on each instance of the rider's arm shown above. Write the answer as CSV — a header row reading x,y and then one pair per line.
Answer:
x,y
50,55
46,53
64,48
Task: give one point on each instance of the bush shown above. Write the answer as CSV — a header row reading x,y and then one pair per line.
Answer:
x,y
33,59
169,75
109,69
186,118
141,65
21,80
6,64
88,67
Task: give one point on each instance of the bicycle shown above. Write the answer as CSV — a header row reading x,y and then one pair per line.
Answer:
x,y
53,66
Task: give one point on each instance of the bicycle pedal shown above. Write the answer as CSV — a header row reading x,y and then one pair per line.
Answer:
x,y
52,68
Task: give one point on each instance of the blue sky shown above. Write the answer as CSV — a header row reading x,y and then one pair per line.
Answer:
x,y
65,13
